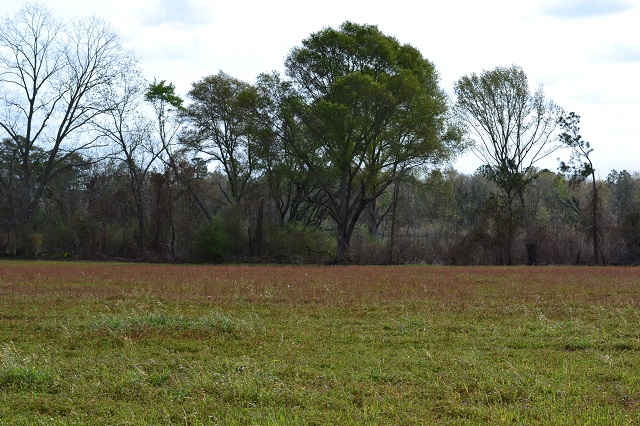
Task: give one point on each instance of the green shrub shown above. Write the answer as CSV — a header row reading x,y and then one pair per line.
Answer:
x,y
295,243
212,243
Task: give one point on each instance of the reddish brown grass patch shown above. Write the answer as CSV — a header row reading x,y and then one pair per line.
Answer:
x,y
325,285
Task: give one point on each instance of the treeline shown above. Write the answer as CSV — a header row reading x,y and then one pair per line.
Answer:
x,y
341,160
445,217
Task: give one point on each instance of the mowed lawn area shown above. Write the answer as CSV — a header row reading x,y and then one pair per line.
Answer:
x,y
98,343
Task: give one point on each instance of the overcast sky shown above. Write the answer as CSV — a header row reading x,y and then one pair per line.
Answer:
x,y
586,53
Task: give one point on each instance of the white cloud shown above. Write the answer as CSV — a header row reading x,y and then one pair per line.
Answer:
x,y
178,12
585,8
618,53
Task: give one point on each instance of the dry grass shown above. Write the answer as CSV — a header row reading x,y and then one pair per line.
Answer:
x,y
327,285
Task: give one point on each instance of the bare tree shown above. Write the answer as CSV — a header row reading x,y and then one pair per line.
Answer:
x,y
511,130
127,129
169,121
51,76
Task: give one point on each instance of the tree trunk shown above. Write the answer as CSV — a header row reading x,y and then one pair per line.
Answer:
x,y
343,247
140,212
594,226
510,235
259,230
345,227
393,223
137,185
532,253
372,218
141,232
172,246
343,236
509,260
530,244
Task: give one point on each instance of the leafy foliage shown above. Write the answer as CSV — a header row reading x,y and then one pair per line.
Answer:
x,y
212,243
370,110
579,166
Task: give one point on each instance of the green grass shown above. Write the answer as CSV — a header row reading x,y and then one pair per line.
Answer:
x,y
114,344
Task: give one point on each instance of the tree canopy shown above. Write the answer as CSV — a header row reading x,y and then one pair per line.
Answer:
x,y
370,110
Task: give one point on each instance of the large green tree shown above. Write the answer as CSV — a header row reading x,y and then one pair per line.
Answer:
x,y
511,130
370,109
285,177
222,116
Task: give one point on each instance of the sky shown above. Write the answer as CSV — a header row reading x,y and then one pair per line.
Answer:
x,y
585,53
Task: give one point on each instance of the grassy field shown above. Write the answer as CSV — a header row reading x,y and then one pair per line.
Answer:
x,y
156,344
